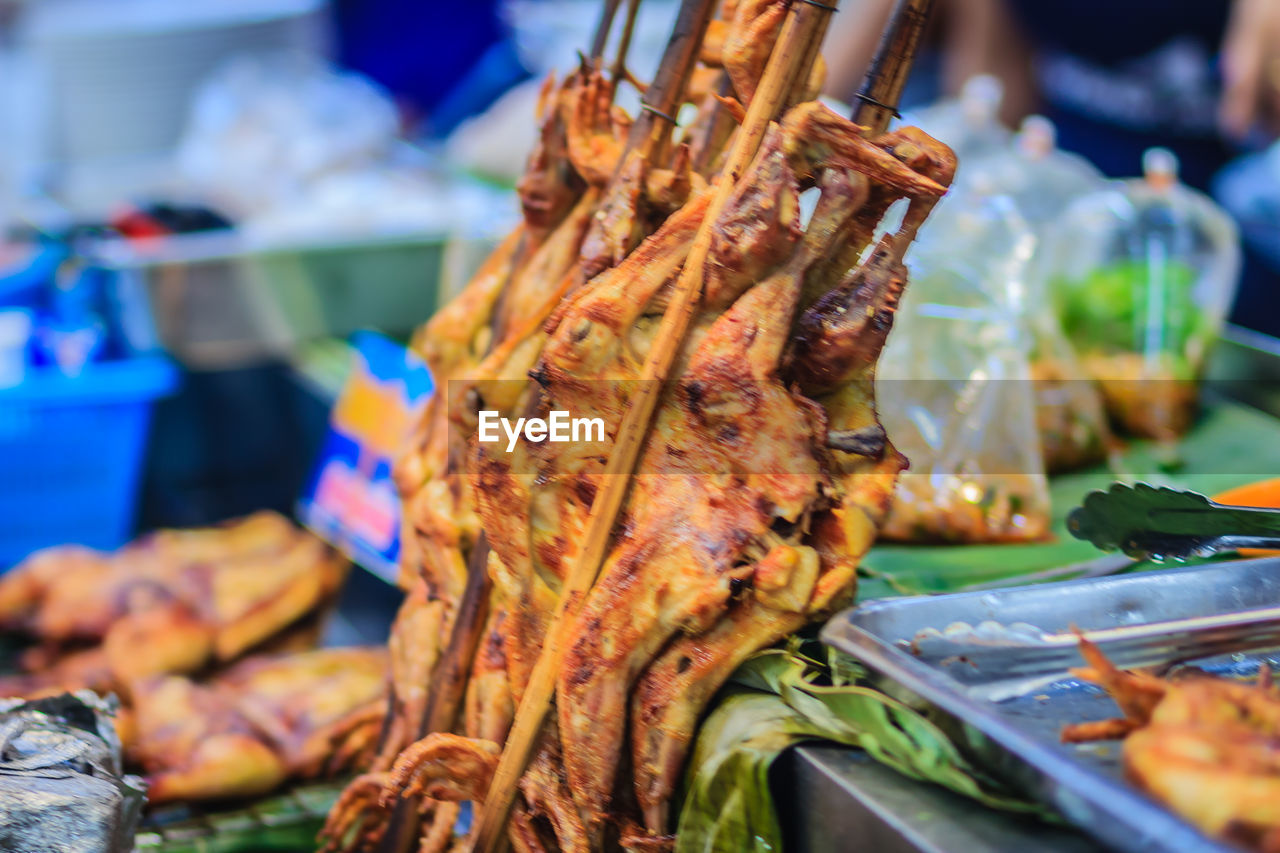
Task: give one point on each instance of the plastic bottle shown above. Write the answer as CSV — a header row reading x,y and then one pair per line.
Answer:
x,y
1041,178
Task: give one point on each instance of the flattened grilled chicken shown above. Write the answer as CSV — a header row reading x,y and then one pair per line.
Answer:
x,y
171,602
440,525
263,721
494,334
74,593
748,512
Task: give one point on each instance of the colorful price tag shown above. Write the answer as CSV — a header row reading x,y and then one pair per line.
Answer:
x,y
351,501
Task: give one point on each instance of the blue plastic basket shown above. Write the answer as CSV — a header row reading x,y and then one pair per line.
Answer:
x,y
71,453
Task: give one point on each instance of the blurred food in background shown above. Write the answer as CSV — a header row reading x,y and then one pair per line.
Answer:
x,y
1116,78
1041,180
171,602
955,385
1145,272
269,718
208,637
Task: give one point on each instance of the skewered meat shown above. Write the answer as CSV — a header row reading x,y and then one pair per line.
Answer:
x,y
757,492
735,456
485,327
493,331
732,403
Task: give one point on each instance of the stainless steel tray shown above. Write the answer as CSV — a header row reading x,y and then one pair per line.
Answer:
x,y
996,664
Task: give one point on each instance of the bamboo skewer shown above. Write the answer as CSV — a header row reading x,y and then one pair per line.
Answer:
x,y
652,128
709,144
449,681
619,68
604,27
775,85
810,51
882,87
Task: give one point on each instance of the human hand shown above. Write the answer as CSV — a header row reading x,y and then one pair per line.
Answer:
x,y
1251,69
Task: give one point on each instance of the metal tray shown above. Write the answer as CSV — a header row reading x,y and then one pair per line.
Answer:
x,y
995,663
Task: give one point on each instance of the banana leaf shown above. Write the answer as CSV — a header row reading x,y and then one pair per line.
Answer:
x,y
781,697
1229,446
284,823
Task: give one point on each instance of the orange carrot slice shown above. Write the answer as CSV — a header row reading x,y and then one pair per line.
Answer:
x,y
1264,493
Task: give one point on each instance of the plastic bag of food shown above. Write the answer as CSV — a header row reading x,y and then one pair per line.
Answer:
x,y
1043,181
953,388
1144,273
62,789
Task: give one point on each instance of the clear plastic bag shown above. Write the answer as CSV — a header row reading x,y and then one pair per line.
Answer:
x,y
954,386
1041,178
1144,273
970,122
1042,182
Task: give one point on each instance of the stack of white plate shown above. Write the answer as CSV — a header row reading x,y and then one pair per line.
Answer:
x,y
118,75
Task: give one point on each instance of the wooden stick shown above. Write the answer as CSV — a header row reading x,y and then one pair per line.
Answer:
x,y
602,29
779,76
882,87
624,44
811,52
710,142
652,129
449,682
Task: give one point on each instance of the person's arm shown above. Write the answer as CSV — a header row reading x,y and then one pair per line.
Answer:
x,y
1251,68
851,41
983,38
977,37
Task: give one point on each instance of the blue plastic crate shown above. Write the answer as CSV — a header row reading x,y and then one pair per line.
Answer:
x,y
72,451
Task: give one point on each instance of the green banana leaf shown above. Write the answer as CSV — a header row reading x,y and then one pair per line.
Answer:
x,y
1230,445
284,823
781,697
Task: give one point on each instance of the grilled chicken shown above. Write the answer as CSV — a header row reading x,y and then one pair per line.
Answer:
x,y
265,720
1203,745
760,486
172,602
